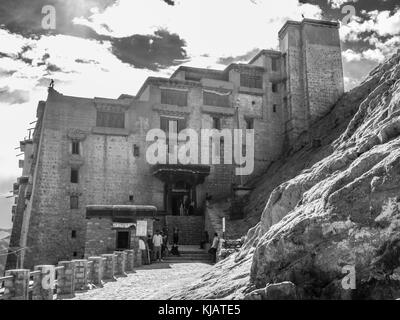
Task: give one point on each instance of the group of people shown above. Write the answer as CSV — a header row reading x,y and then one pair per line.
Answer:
x,y
187,207
157,246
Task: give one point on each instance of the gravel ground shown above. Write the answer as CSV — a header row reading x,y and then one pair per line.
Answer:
x,y
154,282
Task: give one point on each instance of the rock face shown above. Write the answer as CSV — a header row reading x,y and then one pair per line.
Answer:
x,y
342,212
279,291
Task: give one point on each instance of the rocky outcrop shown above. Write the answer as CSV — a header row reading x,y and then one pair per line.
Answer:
x,y
279,291
340,211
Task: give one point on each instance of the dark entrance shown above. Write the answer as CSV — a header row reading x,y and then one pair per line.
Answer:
x,y
123,238
178,197
177,202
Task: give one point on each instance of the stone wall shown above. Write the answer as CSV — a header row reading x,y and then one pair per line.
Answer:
x,y
190,228
100,237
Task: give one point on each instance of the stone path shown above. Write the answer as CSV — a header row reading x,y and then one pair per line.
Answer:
x,y
156,281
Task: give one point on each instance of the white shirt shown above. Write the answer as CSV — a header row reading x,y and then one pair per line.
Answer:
x,y
142,246
215,243
157,240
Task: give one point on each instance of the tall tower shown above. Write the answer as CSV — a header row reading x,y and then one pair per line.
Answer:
x,y
314,72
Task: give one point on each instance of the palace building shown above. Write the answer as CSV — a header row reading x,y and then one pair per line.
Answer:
x,y
86,161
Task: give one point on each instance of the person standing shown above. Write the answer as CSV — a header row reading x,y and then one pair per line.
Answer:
x,y
144,251
214,247
157,243
164,246
150,248
175,236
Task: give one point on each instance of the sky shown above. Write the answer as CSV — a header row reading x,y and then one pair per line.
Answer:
x,y
104,48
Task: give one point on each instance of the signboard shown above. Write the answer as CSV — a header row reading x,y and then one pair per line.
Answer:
x,y
141,228
117,225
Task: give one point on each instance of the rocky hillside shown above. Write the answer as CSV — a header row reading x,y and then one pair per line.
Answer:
x,y
327,206
4,240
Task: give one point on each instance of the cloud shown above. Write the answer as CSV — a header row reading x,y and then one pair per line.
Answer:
x,y
370,54
201,23
380,23
241,58
336,4
350,55
25,16
13,96
152,52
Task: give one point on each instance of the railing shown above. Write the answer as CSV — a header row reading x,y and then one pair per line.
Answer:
x,y
228,247
47,282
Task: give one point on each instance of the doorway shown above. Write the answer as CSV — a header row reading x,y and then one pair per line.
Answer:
x,y
177,200
123,240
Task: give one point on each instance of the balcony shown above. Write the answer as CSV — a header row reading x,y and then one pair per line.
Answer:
x,y
172,173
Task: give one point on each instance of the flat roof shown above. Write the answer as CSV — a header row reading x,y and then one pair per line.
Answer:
x,y
265,52
328,23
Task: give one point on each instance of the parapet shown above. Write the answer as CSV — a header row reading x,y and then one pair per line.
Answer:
x,y
324,23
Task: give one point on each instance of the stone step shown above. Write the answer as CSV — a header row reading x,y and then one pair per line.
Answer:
x,y
187,258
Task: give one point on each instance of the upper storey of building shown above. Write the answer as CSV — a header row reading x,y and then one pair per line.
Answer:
x,y
265,75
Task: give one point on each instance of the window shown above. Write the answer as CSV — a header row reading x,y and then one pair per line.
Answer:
x,y
216,99
274,63
275,87
131,198
75,147
75,254
274,108
74,176
178,123
249,124
73,234
222,148
174,97
251,81
74,202
217,123
136,150
110,119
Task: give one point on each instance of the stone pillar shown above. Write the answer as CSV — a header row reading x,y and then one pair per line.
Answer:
x,y
81,273
96,273
138,258
109,267
89,272
120,265
44,282
17,287
130,260
65,280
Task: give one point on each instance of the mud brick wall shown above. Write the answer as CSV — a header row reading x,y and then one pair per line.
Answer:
x,y
190,229
100,237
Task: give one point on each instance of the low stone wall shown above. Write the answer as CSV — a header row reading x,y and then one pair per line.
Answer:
x,y
48,282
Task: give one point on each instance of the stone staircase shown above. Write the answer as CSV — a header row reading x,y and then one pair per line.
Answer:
x,y
234,229
189,254
190,228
